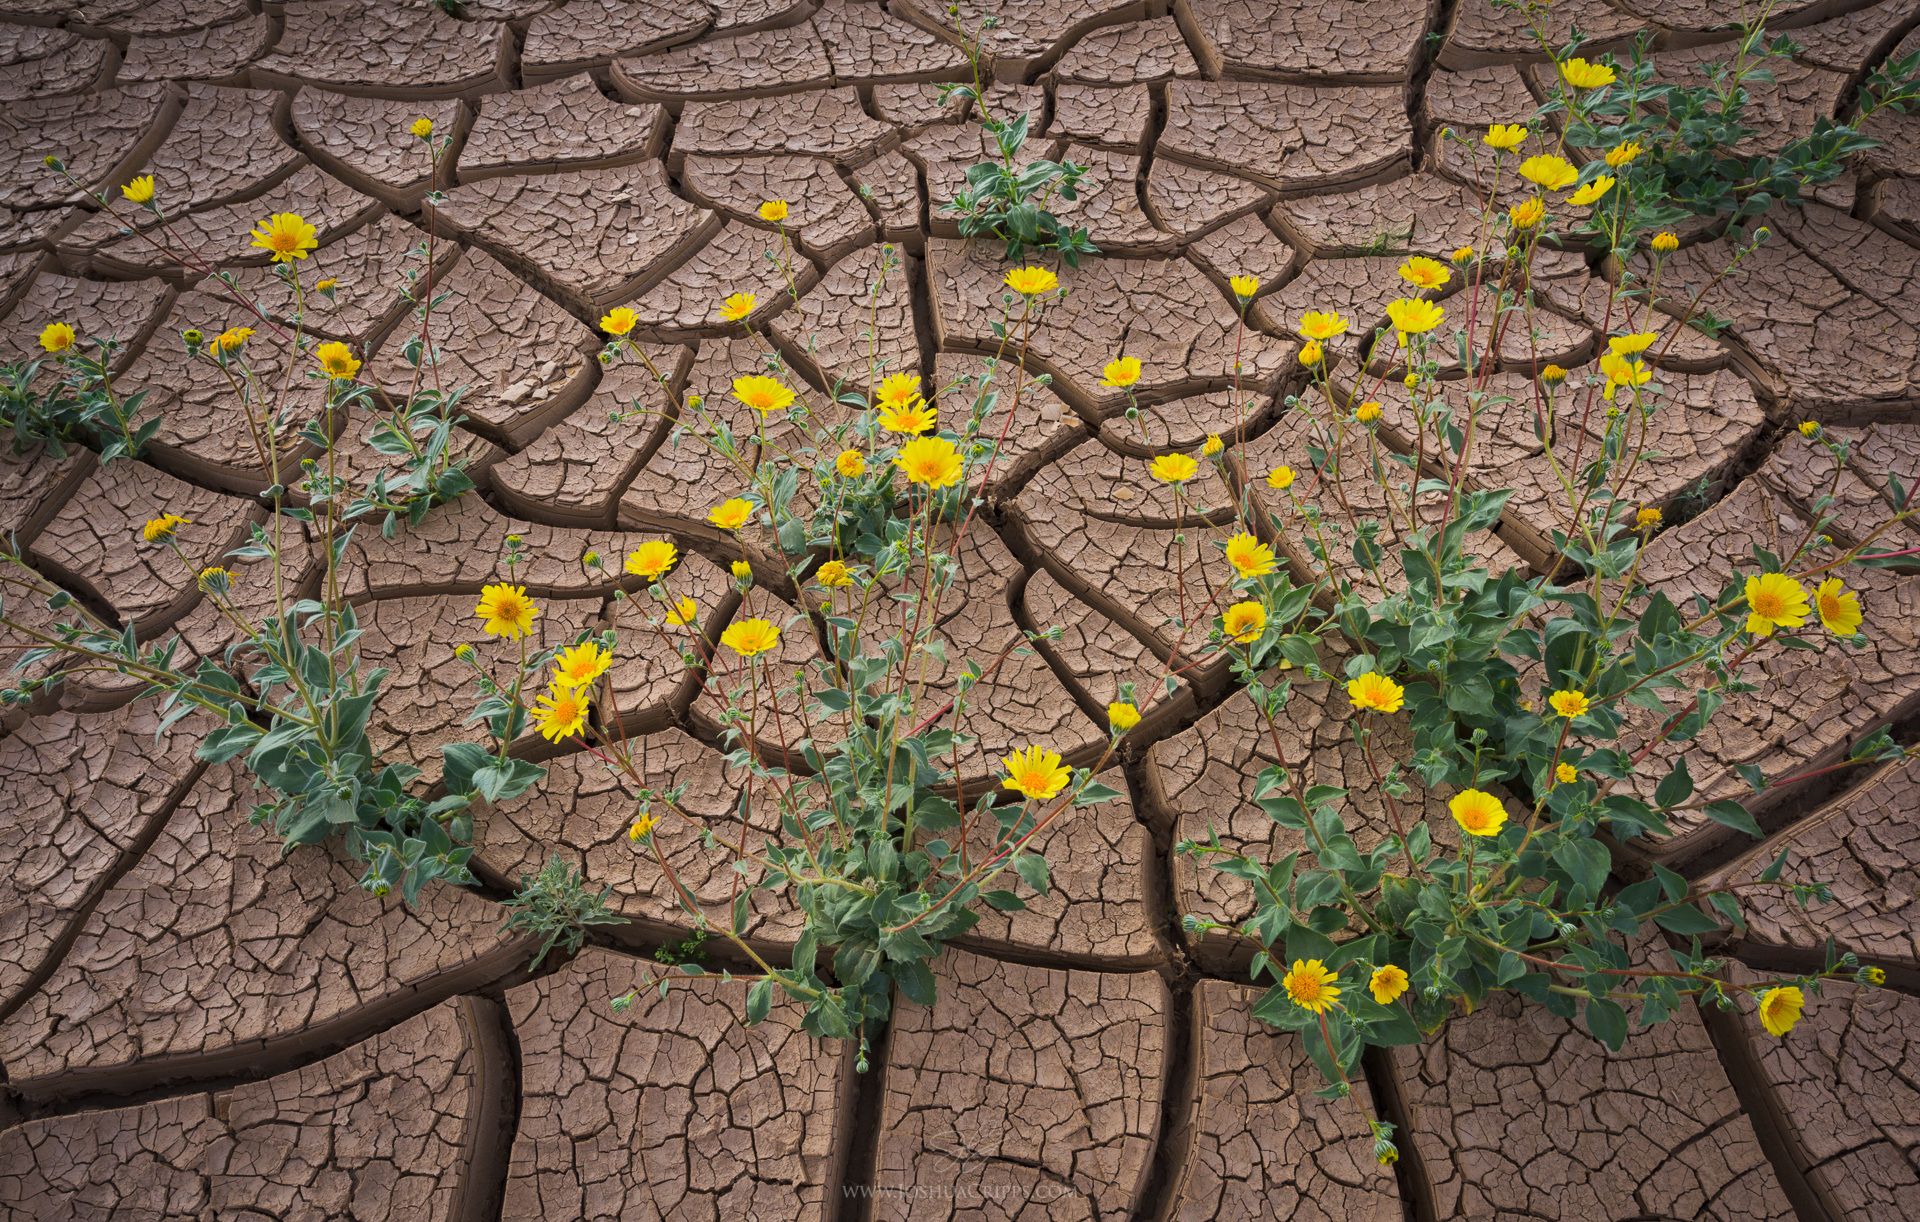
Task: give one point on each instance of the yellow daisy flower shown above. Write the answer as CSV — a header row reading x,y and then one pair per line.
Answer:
x,y
1774,600
1311,985
1839,609
1173,468
1244,621
286,236
761,393
1478,812
1036,773
932,461
731,514
1031,281
507,611
1387,983
580,665
1375,691
1248,556
752,637
652,558
1780,1009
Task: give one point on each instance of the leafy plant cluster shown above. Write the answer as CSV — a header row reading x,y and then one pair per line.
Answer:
x,y
1007,199
290,692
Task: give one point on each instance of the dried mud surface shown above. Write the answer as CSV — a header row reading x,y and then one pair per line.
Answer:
x,y
195,1027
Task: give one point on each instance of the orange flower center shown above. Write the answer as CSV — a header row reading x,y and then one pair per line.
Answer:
x,y
1306,988
1768,605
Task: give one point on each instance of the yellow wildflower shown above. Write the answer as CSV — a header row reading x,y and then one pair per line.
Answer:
x,y
909,419
463,651
732,513
773,210
1425,273
1809,429
851,464
1622,372
897,390
932,461
1122,716
286,236
337,359
564,715
56,337
1121,372
1244,287
834,575
1774,600
761,393
1387,983
741,570
1031,281
1478,812
1648,516
1505,136
652,558
618,321
1321,325
1462,256
1280,478
749,638
1621,154
1569,704
1553,375
1173,468
1529,214
1375,691
1565,773
140,190
1411,315
1213,447
1036,773
1839,608
162,528
1311,985
232,338
422,128
1592,191
1780,1009
507,610
1248,556
1630,345
1666,243
1311,353
1367,412
641,826
683,612
580,665
1549,171
1244,621
737,306
1874,975
214,581
1583,75
327,285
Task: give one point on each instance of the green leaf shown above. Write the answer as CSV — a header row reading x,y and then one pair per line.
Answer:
x,y
1607,1021
1734,815
1674,788
759,1001
1686,921
1032,869
1005,901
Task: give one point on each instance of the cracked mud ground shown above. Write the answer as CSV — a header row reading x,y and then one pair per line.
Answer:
x,y
192,1027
